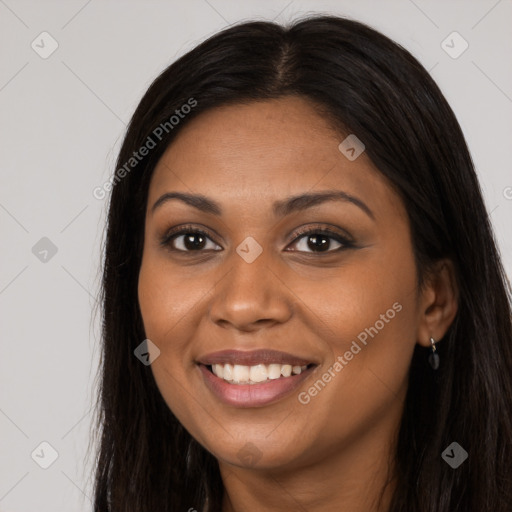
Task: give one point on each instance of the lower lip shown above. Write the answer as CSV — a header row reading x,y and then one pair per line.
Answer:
x,y
252,395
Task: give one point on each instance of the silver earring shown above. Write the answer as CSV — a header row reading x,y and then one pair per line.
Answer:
x,y
433,357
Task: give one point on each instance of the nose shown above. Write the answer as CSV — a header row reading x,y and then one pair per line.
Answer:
x,y
250,297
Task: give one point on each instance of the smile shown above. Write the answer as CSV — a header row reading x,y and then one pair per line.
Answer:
x,y
253,378
241,374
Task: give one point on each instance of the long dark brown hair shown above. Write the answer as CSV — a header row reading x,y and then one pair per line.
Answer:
x,y
367,85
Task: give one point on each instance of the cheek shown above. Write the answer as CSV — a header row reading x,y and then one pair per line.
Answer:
x,y
173,302
371,298
167,304
371,312
164,300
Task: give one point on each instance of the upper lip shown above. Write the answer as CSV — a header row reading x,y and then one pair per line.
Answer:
x,y
252,357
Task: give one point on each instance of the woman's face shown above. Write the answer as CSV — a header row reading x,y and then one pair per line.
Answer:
x,y
254,298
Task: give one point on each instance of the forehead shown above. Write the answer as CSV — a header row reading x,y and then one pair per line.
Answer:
x,y
270,148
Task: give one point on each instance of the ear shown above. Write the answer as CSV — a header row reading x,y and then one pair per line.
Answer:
x,y
437,303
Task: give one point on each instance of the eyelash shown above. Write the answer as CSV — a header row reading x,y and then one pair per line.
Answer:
x,y
345,242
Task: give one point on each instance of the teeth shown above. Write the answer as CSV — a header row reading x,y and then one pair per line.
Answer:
x,y
258,373
274,371
227,374
240,374
286,370
218,369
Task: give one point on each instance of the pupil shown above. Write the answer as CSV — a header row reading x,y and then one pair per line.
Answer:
x,y
190,244
320,242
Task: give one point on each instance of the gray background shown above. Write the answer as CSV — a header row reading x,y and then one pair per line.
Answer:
x,y
62,121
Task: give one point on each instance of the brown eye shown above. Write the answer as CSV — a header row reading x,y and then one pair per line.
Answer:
x,y
316,240
188,240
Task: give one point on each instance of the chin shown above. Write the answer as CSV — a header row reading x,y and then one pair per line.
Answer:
x,y
259,453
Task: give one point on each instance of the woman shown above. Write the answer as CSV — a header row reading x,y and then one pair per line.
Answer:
x,y
304,307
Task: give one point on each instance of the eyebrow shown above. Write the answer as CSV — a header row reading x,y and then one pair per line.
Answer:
x,y
280,208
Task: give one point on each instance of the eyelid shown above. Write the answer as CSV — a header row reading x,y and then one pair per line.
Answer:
x,y
323,228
